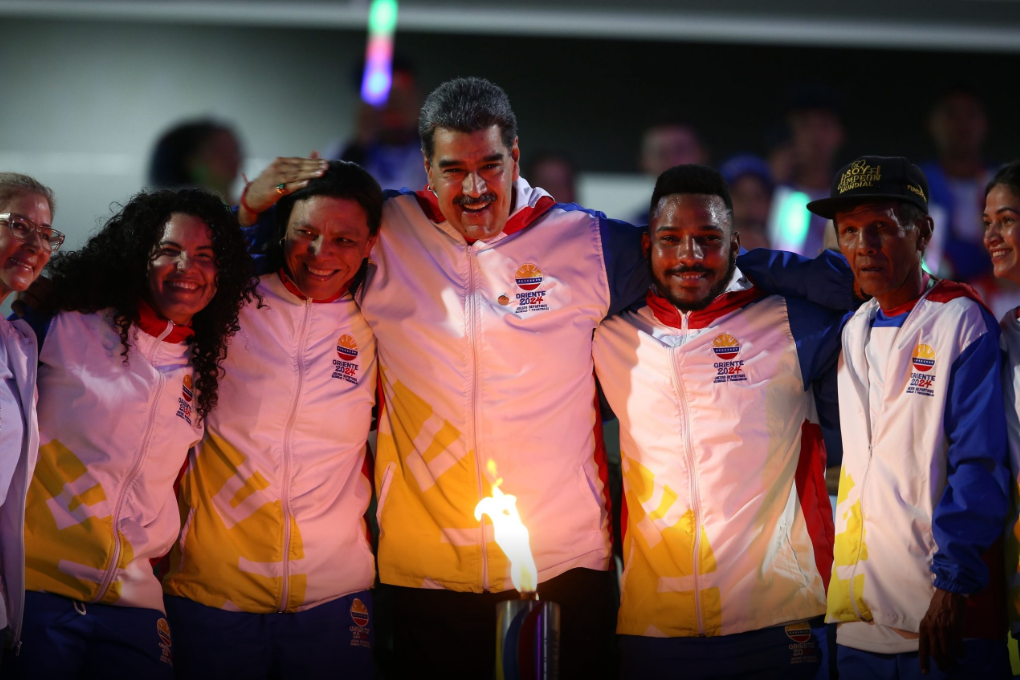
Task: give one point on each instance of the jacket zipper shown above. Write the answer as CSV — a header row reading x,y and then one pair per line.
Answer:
x,y
285,480
860,539
689,451
142,451
864,480
472,320
16,624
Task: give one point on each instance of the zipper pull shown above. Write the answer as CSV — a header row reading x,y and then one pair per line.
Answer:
x,y
684,318
166,331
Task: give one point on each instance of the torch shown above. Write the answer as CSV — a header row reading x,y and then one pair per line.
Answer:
x,y
527,629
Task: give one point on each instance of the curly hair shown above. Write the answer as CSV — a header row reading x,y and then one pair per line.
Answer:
x,y
111,271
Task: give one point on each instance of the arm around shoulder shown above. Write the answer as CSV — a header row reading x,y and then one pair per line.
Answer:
x,y
826,280
627,271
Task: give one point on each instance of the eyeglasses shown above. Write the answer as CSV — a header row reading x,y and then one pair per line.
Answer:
x,y
22,228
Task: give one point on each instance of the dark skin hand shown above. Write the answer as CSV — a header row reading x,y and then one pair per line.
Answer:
x,y
262,193
942,632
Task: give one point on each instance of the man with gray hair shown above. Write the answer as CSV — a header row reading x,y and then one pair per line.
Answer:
x,y
484,301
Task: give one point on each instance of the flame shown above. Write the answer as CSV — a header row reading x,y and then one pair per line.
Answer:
x,y
510,533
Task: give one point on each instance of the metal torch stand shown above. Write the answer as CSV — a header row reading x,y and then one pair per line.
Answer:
x,y
527,640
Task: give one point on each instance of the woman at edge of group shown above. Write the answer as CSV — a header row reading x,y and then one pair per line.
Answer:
x,y
272,571
128,371
27,240
1002,240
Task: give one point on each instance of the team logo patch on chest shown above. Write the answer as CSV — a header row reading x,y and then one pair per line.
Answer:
x,y
532,297
184,408
730,369
922,377
346,367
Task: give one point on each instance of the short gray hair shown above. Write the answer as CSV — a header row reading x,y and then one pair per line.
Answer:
x,y
466,105
13,184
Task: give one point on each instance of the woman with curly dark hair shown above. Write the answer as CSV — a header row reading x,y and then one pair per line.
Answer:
x,y
273,564
129,371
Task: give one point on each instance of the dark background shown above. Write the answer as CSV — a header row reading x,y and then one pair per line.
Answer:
x,y
87,91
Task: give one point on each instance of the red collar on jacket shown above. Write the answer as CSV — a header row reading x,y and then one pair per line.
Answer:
x,y
909,306
900,309
726,303
155,325
519,220
292,287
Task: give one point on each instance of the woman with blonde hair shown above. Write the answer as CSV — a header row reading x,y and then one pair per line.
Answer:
x,y
27,240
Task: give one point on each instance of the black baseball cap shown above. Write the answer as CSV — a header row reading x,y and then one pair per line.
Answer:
x,y
874,178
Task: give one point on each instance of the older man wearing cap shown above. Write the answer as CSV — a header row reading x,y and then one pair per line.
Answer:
x,y
922,493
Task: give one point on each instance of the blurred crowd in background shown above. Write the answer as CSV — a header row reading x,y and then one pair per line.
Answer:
x,y
770,190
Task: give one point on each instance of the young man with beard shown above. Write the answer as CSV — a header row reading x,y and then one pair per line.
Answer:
x,y
922,493
483,297
728,530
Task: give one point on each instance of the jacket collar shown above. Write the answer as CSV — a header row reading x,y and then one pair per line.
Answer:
x,y
738,294
295,291
155,325
530,204
929,283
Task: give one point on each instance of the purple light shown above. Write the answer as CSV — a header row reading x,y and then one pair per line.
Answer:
x,y
378,76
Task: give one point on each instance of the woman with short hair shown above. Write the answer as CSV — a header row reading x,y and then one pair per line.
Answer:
x,y
271,575
129,371
27,240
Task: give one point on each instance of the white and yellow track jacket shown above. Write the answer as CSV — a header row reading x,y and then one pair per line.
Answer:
x,y
485,354
114,435
272,502
17,460
922,491
727,525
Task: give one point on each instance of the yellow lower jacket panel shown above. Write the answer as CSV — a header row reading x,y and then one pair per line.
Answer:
x,y
428,521
849,549
658,598
69,539
226,515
